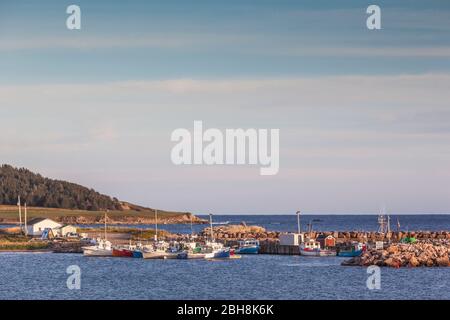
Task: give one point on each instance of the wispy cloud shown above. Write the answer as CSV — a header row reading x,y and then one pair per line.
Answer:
x,y
341,137
238,43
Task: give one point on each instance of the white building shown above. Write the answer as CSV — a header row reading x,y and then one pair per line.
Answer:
x,y
291,239
36,226
64,230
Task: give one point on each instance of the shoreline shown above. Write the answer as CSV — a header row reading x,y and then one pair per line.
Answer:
x,y
26,250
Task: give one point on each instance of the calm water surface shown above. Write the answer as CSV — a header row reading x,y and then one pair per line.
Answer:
x,y
432,222
43,276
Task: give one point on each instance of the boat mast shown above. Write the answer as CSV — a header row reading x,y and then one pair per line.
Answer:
x,y
298,222
156,225
212,232
105,225
20,214
192,230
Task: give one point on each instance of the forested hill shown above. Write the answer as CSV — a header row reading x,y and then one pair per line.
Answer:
x,y
39,191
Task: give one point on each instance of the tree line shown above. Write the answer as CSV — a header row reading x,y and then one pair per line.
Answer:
x,y
39,191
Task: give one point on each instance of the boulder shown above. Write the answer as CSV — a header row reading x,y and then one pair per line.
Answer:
x,y
430,262
413,262
443,261
392,249
393,262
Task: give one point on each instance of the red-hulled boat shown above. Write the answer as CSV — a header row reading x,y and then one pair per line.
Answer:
x,y
122,252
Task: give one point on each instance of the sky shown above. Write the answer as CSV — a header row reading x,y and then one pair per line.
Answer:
x,y
364,115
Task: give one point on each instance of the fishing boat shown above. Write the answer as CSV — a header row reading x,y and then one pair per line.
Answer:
x,y
154,254
223,253
247,246
161,250
123,251
191,255
355,250
138,252
311,247
101,249
213,249
173,251
192,250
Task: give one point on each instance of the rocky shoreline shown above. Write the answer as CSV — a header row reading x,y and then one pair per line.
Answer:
x,y
420,254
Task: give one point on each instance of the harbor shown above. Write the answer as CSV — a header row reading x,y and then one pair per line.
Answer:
x,y
276,270
229,241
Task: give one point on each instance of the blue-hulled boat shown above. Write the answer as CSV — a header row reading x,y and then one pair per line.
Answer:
x,y
355,250
248,246
222,253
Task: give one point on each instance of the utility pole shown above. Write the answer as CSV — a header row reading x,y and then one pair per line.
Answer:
x,y
156,225
26,227
20,214
105,223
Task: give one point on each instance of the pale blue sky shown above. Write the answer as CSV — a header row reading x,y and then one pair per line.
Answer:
x,y
364,115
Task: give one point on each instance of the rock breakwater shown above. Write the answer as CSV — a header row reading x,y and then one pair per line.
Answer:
x,y
421,254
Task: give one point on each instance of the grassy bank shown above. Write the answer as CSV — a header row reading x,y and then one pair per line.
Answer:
x,y
18,246
9,214
11,242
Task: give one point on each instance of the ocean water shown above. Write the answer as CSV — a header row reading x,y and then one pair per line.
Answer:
x,y
43,276
430,222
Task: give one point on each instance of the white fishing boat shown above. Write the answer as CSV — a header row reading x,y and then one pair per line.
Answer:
x,y
102,248
213,249
311,247
154,254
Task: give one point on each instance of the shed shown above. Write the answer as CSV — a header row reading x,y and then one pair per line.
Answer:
x,y
36,226
291,239
326,241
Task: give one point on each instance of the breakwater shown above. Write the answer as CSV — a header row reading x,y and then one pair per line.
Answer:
x,y
236,232
428,253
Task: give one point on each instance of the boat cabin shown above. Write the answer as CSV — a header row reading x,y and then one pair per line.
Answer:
x,y
248,243
311,244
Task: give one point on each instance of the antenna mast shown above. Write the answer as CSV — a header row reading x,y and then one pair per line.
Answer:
x,y
156,225
212,232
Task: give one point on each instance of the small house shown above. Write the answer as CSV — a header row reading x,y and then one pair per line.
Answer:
x,y
36,226
326,241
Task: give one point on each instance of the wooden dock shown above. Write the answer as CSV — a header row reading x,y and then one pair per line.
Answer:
x,y
274,247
